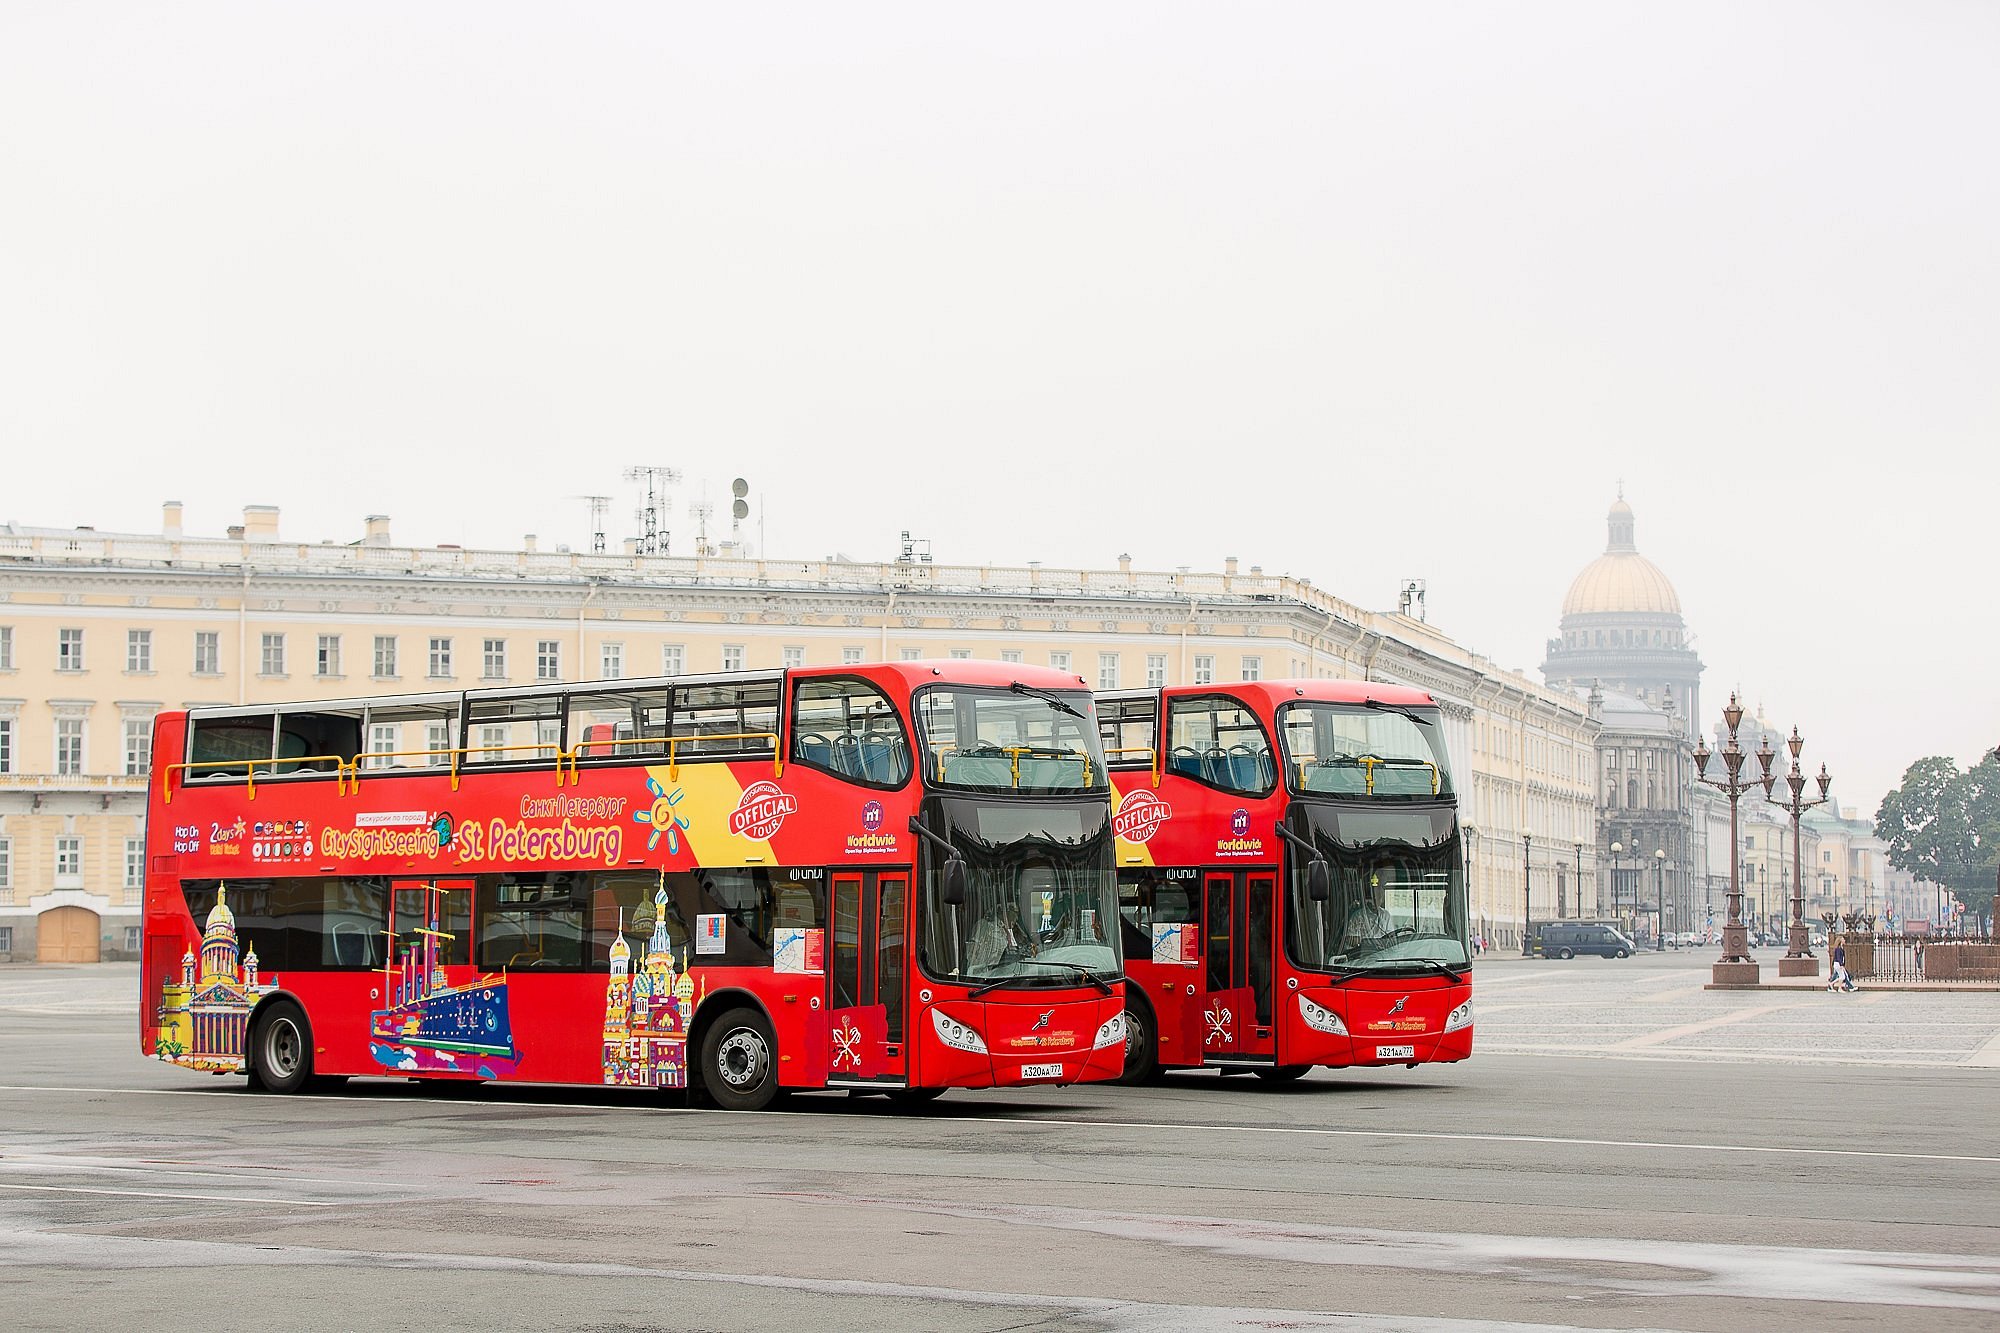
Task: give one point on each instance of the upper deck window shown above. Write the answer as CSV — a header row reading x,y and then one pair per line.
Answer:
x,y
1126,726
1218,741
1020,738
849,728
707,720
1366,750
273,744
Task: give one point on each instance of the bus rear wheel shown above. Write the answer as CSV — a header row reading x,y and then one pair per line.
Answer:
x,y
739,1061
281,1049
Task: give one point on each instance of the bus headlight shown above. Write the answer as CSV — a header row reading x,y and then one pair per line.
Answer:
x,y
1110,1033
1461,1017
1321,1019
956,1034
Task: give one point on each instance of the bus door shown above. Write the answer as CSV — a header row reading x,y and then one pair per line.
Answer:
x,y
1238,946
868,978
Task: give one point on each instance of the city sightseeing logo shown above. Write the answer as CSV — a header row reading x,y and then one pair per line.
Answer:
x,y
1139,816
761,811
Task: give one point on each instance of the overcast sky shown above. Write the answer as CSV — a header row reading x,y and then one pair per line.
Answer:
x,y
1357,293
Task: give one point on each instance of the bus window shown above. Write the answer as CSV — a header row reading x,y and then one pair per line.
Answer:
x,y
848,727
1218,741
1011,740
225,747
532,921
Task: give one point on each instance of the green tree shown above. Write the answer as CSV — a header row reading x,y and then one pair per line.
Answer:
x,y
1943,825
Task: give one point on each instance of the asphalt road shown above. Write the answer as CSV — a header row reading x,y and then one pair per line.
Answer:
x,y
1625,1150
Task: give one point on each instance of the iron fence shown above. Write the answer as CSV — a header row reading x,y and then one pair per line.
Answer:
x,y
1923,957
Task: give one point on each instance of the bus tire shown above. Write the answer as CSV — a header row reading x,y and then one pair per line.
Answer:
x,y
1283,1073
1565,953
1142,1050
739,1061
281,1049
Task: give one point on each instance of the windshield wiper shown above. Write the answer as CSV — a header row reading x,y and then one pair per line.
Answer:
x,y
1381,707
999,982
1048,697
1443,967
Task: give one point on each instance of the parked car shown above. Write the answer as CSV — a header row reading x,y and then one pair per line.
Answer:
x,y
1567,939
1684,939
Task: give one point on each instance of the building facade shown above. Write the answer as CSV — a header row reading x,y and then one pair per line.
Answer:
x,y
100,631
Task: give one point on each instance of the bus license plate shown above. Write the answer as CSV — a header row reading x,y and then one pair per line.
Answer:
x,y
1395,1052
1041,1071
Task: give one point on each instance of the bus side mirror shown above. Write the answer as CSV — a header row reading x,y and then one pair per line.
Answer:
x,y
954,881
1319,880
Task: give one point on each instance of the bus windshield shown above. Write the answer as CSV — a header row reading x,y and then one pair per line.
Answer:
x,y
1366,750
1397,897
1019,739
1041,899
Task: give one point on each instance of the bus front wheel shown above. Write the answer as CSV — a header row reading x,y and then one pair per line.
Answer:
x,y
739,1061
1142,1051
281,1049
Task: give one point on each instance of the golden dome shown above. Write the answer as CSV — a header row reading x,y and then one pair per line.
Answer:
x,y
1621,580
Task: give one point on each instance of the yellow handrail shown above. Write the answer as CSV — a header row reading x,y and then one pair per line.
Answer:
x,y
1368,764
1152,750
673,743
1015,752
343,771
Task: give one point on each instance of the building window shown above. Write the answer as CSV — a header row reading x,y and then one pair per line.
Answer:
x,y
1107,671
548,735
131,939
732,657
493,659
850,656
135,865
673,659
69,747
440,659
1156,670
548,659
6,745
1253,668
271,661
207,652
385,657
139,651
6,647
437,737
6,939
69,650
69,863
382,740
326,659
610,661
138,746
493,740
1204,669
6,867
912,654
1060,661
794,657
961,654
1010,654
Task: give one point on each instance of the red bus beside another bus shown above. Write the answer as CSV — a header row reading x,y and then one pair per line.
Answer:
x,y
1290,877
892,878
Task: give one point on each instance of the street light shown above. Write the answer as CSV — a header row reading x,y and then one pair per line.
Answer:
x,y
1798,960
1579,879
1617,850
1659,899
1527,916
1736,967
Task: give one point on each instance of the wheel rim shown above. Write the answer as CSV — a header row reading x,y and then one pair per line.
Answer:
x,y
283,1049
1135,1036
742,1058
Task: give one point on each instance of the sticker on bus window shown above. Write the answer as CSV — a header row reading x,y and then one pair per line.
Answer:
x,y
708,932
1176,942
798,949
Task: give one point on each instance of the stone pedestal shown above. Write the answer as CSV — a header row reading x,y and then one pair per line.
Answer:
x,y
1798,967
1734,974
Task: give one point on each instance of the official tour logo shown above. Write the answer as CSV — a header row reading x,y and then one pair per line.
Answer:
x,y
761,811
1139,816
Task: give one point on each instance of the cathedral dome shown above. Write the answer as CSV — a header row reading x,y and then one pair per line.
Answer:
x,y
1621,580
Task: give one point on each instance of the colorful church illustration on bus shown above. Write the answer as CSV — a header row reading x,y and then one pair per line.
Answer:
x,y
204,1020
647,1012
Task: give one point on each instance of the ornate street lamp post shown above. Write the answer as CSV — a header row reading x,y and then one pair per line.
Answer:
x,y
1527,917
1617,850
1579,879
1659,899
1798,960
1736,967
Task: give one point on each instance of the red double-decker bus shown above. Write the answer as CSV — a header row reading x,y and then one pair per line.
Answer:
x,y
1290,878
890,878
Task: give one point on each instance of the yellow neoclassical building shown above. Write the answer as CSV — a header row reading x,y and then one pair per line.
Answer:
x,y
99,630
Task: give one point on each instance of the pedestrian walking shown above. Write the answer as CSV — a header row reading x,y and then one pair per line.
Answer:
x,y
1837,978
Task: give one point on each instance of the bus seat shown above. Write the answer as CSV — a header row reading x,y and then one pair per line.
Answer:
x,y
815,749
350,945
1184,761
1343,777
